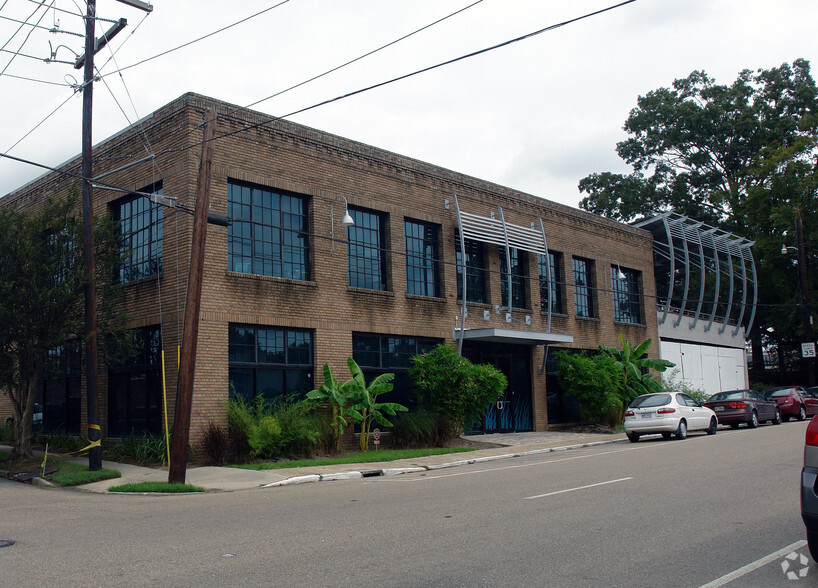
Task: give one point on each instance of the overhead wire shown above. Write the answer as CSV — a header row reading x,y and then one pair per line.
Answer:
x,y
3,48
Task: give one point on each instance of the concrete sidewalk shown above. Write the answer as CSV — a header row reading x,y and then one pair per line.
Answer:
x,y
231,479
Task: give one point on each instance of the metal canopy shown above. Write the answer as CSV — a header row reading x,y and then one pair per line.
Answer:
x,y
513,336
679,242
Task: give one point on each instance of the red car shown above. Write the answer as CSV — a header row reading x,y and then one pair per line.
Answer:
x,y
743,406
793,401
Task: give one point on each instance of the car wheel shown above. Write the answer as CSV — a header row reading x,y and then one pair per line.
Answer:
x,y
802,413
667,435
753,422
777,419
812,542
633,437
681,432
714,425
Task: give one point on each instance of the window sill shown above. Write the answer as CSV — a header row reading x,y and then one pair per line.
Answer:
x,y
272,279
590,319
629,324
368,291
140,281
432,299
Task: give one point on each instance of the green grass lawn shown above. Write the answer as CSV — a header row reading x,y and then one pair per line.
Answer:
x,y
74,474
158,487
358,457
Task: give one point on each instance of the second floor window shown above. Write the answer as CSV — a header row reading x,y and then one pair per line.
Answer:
x,y
626,300
583,287
367,250
518,299
268,235
140,236
421,259
551,275
475,271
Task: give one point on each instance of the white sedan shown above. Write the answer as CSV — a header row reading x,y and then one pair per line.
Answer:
x,y
668,413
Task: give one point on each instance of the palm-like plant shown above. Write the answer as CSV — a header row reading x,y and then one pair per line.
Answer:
x,y
636,380
366,408
337,395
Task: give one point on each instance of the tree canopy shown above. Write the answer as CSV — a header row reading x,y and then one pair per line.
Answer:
x,y
741,156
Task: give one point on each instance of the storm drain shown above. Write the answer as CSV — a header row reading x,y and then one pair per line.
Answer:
x,y
6,542
371,473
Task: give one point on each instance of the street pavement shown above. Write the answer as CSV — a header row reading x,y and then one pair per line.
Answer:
x,y
228,479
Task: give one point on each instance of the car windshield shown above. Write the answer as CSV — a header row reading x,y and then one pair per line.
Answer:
x,y
735,395
650,400
779,392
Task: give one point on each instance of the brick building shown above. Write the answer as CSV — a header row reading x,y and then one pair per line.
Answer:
x,y
288,288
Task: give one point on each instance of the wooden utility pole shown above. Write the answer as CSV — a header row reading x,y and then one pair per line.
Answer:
x,y
806,314
94,432
187,360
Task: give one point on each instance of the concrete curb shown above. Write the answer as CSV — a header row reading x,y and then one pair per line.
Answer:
x,y
354,474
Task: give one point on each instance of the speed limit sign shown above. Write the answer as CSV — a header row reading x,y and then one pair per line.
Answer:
x,y
808,349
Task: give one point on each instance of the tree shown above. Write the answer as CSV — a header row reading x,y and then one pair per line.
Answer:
x,y
451,386
366,408
339,397
742,157
41,297
595,381
634,367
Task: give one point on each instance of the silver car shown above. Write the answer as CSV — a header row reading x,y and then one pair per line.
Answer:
x,y
668,413
809,492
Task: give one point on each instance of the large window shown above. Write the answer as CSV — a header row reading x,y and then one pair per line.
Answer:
x,y
551,282
268,235
475,271
135,386
380,354
269,362
140,236
518,273
60,395
367,250
583,287
421,259
626,299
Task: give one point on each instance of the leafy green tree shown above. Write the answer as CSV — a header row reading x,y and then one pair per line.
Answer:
x,y
452,386
366,408
743,157
595,381
634,367
42,286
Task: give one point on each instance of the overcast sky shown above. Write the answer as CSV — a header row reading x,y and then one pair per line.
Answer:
x,y
537,115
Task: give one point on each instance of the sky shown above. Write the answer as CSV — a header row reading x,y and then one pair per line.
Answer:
x,y
537,115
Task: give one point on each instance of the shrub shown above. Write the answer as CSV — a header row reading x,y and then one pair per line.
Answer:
x,y
672,383
451,386
265,437
215,444
299,429
422,429
239,425
146,448
594,380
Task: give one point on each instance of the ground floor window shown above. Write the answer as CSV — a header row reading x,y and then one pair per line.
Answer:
x,y
379,354
58,402
135,387
269,362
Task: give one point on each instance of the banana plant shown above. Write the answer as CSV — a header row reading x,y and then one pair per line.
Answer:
x,y
366,408
338,396
637,380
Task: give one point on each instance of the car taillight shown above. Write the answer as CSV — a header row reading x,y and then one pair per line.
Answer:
x,y
812,432
628,413
736,405
788,400
666,411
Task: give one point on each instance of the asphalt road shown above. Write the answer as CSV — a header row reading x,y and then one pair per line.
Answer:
x,y
682,513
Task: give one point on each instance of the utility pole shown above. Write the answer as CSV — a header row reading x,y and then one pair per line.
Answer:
x,y
806,315
86,61
94,431
190,334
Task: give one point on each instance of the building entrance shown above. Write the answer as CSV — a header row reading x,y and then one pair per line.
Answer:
x,y
513,410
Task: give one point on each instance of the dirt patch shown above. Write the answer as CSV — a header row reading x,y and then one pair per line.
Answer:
x,y
22,465
461,442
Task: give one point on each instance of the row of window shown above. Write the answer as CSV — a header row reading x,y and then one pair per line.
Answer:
x,y
269,236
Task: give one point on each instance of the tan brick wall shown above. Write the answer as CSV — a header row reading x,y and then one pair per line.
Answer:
x,y
291,157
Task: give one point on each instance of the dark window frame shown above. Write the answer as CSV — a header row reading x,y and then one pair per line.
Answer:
x,y
583,269
269,232
555,270
142,368
422,258
367,251
519,274
61,381
626,295
476,271
141,245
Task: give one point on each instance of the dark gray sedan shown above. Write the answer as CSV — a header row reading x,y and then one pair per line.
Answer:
x,y
743,406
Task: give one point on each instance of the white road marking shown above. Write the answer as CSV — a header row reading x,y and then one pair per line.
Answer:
x,y
578,488
727,578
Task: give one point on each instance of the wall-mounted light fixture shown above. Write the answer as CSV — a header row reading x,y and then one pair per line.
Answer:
x,y
619,274
346,220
